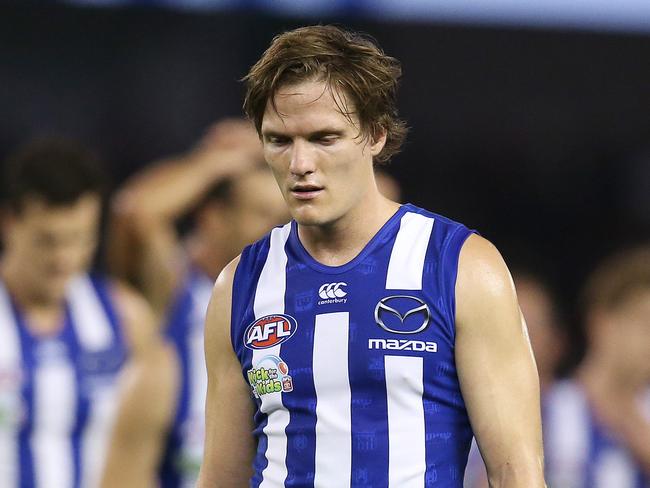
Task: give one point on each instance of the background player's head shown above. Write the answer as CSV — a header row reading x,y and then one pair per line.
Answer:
x,y
616,304
242,206
240,209
53,192
324,101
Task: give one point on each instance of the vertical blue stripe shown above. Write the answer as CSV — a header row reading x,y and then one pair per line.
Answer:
x,y
301,439
244,285
176,331
25,455
641,480
594,451
369,410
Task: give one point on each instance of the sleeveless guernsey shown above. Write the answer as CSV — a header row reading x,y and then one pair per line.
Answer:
x,y
352,367
57,393
581,453
184,448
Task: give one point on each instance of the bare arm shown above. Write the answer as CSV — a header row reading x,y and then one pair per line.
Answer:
x,y
147,397
496,369
143,244
229,444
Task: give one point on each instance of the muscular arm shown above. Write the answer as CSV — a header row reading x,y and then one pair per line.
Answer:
x,y
496,369
147,395
229,444
143,244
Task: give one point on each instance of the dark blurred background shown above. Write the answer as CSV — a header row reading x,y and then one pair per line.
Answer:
x,y
537,135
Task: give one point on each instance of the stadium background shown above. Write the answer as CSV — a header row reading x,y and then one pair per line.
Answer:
x,y
535,133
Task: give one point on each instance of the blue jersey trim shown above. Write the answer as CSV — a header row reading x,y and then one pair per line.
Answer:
x,y
371,246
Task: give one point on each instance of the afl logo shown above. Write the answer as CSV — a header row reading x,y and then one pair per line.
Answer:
x,y
269,331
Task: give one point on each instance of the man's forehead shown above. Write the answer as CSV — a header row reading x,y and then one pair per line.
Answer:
x,y
302,100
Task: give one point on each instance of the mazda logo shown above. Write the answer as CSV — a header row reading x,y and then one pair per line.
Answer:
x,y
416,307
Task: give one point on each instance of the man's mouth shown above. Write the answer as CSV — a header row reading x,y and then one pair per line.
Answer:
x,y
306,192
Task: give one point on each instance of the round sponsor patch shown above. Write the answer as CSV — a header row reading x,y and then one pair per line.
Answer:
x,y
269,331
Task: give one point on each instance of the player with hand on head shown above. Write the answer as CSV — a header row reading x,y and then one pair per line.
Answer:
x,y
233,199
424,345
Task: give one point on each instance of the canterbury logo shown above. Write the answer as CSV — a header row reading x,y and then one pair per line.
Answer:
x,y
332,290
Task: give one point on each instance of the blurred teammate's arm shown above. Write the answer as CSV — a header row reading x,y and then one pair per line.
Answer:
x,y
148,391
229,443
143,244
496,369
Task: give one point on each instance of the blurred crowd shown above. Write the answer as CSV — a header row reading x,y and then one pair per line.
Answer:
x,y
102,375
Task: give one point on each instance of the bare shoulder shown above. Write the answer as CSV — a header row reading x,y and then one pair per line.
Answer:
x,y
217,323
136,316
483,280
222,291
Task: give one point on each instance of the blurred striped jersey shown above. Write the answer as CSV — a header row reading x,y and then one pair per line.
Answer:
x,y
57,393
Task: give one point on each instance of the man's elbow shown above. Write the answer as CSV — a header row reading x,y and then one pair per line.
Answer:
x,y
512,474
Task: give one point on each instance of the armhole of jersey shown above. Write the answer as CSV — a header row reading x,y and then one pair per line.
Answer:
x,y
103,289
246,274
235,304
450,257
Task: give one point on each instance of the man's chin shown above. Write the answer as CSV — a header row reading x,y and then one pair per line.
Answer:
x,y
307,216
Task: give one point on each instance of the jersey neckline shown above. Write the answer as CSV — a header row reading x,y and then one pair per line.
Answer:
x,y
377,239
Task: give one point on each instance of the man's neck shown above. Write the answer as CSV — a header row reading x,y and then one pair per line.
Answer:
x,y
42,317
339,242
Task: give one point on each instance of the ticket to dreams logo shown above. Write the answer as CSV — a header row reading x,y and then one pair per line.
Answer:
x,y
270,375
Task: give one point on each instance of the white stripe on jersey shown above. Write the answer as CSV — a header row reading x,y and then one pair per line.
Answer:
x,y
409,250
88,316
615,468
567,433
10,391
54,417
95,334
269,299
406,431
96,435
333,409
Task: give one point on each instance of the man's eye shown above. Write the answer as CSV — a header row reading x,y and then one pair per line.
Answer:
x,y
327,140
277,140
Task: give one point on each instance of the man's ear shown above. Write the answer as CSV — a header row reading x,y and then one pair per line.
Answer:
x,y
378,141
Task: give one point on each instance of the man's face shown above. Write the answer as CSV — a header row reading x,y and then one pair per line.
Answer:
x,y
320,160
51,244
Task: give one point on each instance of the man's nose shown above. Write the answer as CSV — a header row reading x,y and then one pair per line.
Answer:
x,y
302,158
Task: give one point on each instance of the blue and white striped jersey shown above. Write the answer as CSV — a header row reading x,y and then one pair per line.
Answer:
x,y
352,367
581,453
184,448
57,393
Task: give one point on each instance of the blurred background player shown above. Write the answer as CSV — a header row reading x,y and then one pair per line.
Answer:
x,y
235,201
597,424
64,335
548,340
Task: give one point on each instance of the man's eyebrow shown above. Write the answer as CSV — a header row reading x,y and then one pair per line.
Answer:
x,y
312,135
272,133
325,132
